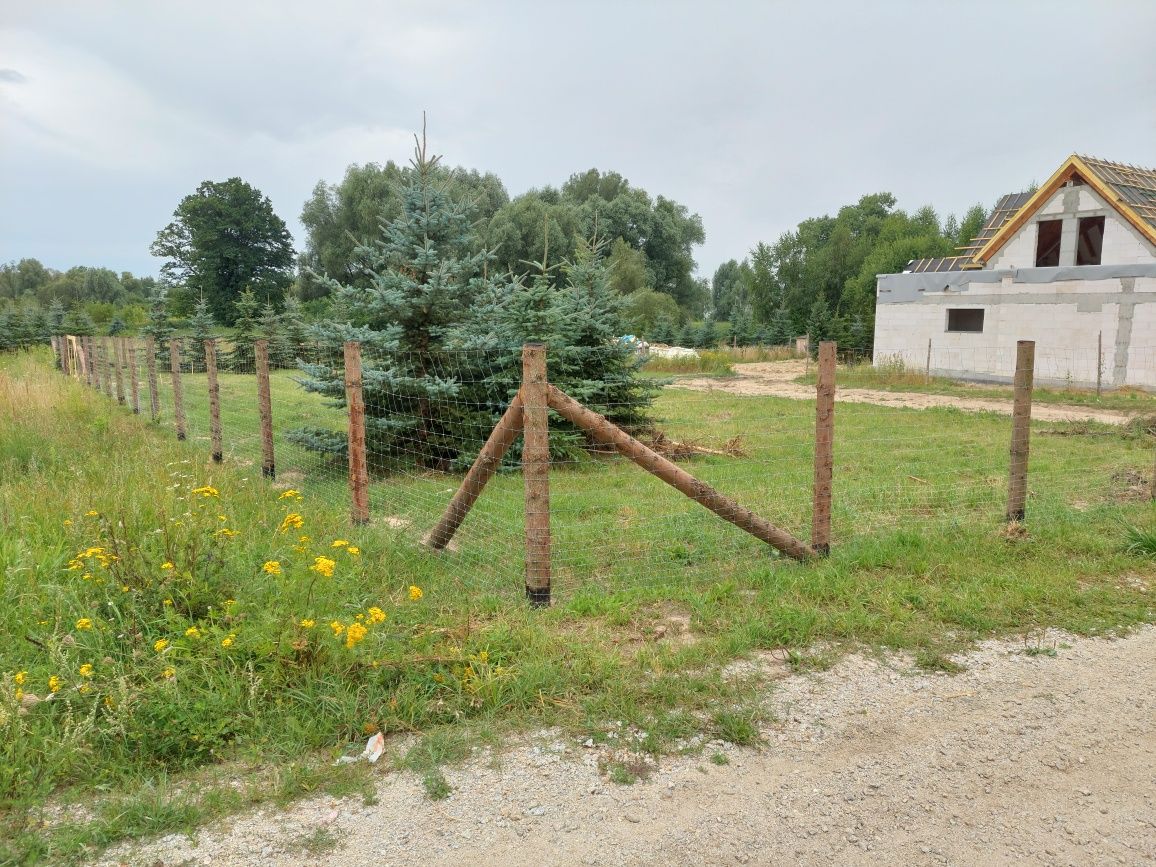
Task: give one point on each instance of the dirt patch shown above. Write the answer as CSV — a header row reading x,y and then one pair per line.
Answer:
x,y
1130,486
777,379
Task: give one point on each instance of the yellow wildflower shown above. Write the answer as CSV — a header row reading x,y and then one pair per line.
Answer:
x,y
19,677
160,644
376,615
205,491
353,550
227,533
273,567
168,602
292,521
167,673
84,689
18,694
85,670
192,632
228,641
221,518
68,522
167,565
339,543
289,494
109,702
303,539
307,623
87,576
84,623
323,566
354,634
91,513
338,627
54,683
75,565
484,656
228,602
415,593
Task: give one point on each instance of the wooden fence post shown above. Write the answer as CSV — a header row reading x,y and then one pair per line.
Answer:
x,y
151,362
133,363
1099,363
265,402
927,370
178,395
214,399
1021,429
65,361
118,362
86,352
536,472
358,470
824,451
106,376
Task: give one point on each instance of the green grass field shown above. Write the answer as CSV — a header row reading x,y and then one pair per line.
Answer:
x,y
175,653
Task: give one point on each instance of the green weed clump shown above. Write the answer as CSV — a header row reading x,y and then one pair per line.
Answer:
x,y
708,361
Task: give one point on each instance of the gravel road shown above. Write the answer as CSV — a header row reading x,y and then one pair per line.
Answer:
x,y
1020,759
777,379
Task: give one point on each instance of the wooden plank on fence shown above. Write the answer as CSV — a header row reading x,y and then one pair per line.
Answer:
x,y
214,400
118,362
178,394
106,360
265,402
536,472
505,432
824,449
1021,429
93,362
358,467
603,431
134,375
151,362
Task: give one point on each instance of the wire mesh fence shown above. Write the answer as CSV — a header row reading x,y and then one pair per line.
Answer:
x,y
926,454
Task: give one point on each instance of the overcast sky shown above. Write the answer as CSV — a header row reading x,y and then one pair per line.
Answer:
x,y
755,115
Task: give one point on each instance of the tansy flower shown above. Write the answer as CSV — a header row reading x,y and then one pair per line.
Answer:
x,y
337,626
54,684
192,632
415,593
167,565
292,521
354,550
354,634
339,543
376,615
87,576
205,491
228,641
67,522
323,566
273,567
84,689
227,533
160,644
85,670
308,624
303,539
221,518
168,672
289,494
91,513
19,677
229,602
84,623
168,602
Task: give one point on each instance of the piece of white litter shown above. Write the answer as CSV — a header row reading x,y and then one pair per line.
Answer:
x,y
374,747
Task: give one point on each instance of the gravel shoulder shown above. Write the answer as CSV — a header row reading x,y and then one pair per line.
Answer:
x,y
1020,759
777,379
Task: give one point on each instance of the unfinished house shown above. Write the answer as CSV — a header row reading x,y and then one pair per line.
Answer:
x,y
1071,266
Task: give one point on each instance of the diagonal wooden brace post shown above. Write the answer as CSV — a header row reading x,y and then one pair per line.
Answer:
x,y
607,433
505,432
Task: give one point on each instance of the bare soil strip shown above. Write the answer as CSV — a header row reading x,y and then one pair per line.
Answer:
x,y
1024,758
777,379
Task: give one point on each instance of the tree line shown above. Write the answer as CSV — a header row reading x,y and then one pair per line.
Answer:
x,y
225,240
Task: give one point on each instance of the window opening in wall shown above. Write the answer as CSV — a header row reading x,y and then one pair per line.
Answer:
x,y
964,320
1090,242
1048,243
